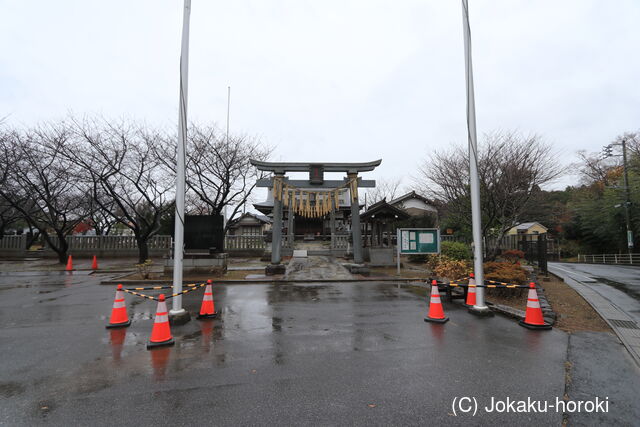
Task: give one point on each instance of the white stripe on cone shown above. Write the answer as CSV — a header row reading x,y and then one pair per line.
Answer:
x,y
162,307
533,304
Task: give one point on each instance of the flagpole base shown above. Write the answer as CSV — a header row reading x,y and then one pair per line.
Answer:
x,y
481,311
179,317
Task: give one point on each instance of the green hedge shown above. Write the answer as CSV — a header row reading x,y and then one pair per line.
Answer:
x,y
456,250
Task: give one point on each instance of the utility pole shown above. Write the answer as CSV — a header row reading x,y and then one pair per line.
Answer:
x,y
480,308
178,241
627,202
608,152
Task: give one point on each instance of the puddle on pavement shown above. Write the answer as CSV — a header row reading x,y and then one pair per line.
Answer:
x,y
11,388
44,273
620,286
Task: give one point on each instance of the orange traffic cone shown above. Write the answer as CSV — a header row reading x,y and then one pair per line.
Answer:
x,y
436,312
119,317
161,333
69,264
533,318
94,264
471,292
207,309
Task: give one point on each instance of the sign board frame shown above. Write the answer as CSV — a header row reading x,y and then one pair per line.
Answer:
x,y
418,238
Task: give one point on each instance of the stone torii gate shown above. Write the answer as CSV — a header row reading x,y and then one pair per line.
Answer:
x,y
316,181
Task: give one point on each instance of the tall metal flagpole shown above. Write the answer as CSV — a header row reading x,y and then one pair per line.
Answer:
x,y
480,307
228,110
178,242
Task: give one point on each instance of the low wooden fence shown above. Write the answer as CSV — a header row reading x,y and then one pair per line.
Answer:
x,y
15,245
113,246
244,241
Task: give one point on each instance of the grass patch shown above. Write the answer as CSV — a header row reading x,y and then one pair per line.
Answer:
x,y
574,313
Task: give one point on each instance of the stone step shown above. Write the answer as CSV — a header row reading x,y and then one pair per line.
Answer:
x,y
319,252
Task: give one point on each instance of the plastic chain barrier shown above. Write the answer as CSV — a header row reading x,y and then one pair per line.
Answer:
x,y
493,282
151,288
192,287
506,285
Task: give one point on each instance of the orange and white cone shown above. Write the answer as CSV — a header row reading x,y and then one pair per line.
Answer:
x,y
207,309
69,264
533,318
119,317
436,312
161,333
94,264
471,292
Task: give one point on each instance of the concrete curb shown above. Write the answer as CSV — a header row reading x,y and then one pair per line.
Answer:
x,y
585,291
511,312
548,314
262,281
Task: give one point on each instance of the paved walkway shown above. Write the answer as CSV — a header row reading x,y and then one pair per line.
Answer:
x,y
619,309
299,354
316,268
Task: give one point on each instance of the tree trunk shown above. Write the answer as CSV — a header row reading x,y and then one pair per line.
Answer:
x,y
143,249
60,249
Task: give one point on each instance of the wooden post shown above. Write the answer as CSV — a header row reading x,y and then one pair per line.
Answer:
x,y
332,223
290,225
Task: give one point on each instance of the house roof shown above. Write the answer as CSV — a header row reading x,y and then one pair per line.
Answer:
x,y
382,209
528,225
262,218
411,195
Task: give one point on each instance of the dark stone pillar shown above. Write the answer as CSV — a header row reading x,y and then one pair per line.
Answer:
x,y
355,225
276,237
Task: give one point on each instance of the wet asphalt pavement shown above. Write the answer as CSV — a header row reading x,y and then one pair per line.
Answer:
x,y
620,284
325,354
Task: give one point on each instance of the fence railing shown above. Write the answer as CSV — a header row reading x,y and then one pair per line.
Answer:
x,y
610,259
14,243
244,241
340,241
113,245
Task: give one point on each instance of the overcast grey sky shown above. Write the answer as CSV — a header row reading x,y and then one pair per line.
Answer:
x,y
344,80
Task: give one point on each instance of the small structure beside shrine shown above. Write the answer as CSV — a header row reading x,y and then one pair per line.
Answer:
x,y
249,224
316,207
415,205
380,223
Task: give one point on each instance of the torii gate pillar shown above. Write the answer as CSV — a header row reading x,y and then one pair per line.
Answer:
x,y
356,233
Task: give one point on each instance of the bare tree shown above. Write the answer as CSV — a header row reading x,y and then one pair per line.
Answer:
x,y
595,168
218,170
387,189
40,183
512,169
128,180
99,213
8,213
